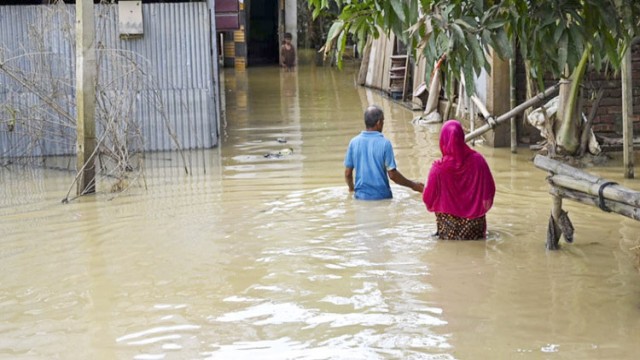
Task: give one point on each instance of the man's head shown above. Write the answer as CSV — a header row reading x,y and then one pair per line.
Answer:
x,y
373,118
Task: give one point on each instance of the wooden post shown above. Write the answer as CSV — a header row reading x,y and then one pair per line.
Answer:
x,y
498,92
556,210
512,101
627,114
85,96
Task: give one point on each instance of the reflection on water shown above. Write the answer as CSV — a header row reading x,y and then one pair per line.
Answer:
x,y
268,257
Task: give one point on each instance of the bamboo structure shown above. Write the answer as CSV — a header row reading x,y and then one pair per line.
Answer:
x,y
493,122
627,115
570,183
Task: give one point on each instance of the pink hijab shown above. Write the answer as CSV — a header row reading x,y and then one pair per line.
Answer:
x,y
460,183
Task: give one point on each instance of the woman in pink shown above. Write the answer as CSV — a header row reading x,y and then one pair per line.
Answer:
x,y
460,187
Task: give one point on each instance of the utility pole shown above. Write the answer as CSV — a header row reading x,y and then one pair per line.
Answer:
x,y
85,97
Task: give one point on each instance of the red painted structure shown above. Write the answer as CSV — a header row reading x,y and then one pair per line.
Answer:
x,y
227,15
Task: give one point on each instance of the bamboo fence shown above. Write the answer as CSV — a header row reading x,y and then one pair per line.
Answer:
x,y
568,182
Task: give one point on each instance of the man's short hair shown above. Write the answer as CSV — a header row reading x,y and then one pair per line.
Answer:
x,y
372,115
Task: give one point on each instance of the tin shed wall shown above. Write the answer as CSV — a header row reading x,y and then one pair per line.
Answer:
x,y
165,76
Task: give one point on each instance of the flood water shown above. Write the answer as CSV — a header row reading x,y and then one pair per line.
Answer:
x,y
254,257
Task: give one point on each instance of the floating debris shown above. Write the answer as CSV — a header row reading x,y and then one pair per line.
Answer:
x,y
279,154
432,118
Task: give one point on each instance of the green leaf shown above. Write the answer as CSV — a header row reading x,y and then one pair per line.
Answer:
x,y
463,24
469,78
335,30
495,24
559,31
563,45
501,44
397,8
476,50
342,43
457,32
411,12
469,21
479,5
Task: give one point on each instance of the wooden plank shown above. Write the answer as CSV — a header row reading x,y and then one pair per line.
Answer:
x,y
364,64
373,59
418,79
386,62
406,75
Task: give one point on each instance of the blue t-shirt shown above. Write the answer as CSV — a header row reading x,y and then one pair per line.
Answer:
x,y
371,155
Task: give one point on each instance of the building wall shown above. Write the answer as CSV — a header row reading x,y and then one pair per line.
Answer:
x,y
165,75
609,115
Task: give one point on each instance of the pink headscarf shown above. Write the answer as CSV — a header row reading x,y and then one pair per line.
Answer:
x,y
460,183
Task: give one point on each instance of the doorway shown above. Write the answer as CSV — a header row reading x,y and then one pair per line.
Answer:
x,y
263,45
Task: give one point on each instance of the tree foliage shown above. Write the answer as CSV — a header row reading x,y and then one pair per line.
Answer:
x,y
552,35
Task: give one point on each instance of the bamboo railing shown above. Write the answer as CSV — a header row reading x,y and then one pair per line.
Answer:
x,y
570,183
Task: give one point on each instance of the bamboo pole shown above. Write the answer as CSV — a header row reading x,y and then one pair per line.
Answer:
x,y
613,192
614,206
556,167
627,114
512,103
586,130
483,109
493,122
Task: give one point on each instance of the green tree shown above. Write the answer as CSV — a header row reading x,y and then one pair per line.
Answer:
x,y
558,38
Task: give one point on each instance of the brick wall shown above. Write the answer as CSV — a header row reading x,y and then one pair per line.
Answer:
x,y
609,116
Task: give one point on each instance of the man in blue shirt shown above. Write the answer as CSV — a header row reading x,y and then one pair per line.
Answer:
x,y
370,154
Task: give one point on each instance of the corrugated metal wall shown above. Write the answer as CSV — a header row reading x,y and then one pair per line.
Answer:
x,y
164,77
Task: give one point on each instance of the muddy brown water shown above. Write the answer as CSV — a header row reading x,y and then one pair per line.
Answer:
x,y
255,257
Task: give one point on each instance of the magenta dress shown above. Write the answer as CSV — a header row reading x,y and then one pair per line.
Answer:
x,y
460,187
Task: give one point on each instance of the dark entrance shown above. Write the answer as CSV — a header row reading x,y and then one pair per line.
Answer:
x,y
263,45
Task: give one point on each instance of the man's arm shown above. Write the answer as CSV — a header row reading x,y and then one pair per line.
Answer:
x,y
399,179
348,177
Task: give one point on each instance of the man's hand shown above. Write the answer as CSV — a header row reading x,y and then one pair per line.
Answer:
x,y
418,186
399,179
